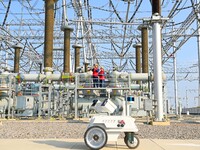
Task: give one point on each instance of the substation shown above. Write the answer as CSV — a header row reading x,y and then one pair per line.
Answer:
x,y
63,91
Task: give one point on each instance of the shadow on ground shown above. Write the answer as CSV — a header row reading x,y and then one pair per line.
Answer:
x,y
63,144
77,145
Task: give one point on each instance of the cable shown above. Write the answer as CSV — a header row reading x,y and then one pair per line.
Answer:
x,y
115,11
138,6
195,12
7,11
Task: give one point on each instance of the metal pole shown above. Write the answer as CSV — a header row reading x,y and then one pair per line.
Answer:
x,y
180,107
175,85
175,79
65,20
198,46
49,102
40,101
9,96
76,97
83,41
157,59
186,99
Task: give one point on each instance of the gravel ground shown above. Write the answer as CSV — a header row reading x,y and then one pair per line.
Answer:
x,y
73,129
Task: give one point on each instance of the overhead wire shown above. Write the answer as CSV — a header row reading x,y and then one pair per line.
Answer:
x,y
184,26
195,11
166,4
7,11
133,15
125,26
176,11
172,11
115,11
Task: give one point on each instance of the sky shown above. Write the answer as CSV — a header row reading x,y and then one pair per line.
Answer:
x,y
187,56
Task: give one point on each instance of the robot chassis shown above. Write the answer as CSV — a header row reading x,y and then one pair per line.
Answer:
x,y
103,128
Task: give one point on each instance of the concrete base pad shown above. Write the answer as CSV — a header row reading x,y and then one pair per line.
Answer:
x,y
160,123
82,119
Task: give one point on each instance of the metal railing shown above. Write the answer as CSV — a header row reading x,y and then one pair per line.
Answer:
x,y
109,82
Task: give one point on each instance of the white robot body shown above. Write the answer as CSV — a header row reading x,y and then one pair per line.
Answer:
x,y
103,128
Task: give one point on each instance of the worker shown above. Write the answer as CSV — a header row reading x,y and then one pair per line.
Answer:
x,y
101,77
95,72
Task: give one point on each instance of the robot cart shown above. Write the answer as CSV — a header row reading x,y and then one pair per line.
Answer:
x,y
103,128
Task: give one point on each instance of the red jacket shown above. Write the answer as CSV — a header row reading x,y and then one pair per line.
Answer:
x,y
95,72
102,74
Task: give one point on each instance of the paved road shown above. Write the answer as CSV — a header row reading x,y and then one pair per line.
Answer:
x,y
78,144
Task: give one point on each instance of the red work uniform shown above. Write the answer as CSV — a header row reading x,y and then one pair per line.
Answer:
x,y
101,77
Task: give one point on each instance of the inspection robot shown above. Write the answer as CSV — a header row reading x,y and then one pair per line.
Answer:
x,y
105,127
